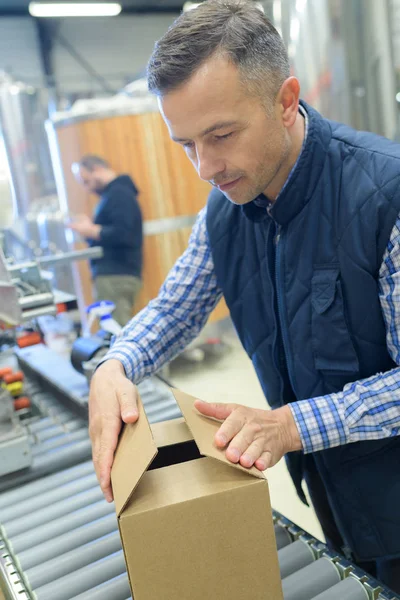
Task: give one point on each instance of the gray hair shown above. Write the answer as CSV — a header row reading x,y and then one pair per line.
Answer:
x,y
237,29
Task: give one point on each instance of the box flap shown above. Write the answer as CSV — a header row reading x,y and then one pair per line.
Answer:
x,y
169,433
204,429
135,452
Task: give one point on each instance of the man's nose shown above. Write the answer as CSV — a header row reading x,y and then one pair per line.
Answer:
x,y
208,165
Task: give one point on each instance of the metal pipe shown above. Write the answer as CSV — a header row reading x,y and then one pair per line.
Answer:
x,y
29,505
282,536
48,483
311,580
68,541
48,421
73,561
66,438
47,514
55,430
35,300
45,464
293,557
116,588
84,579
34,313
38,535
349,588
68,257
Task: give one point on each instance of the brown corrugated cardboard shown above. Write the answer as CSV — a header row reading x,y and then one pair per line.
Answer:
x,y
192,528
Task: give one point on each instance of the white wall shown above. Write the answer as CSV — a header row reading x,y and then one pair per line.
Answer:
x,y
118,48
19,50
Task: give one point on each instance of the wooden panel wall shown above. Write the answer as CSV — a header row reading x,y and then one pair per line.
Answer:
x,y
169,186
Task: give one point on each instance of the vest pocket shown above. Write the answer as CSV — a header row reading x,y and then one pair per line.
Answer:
x,y
332,345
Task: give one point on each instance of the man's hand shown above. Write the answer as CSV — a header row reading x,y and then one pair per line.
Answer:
x,y
112,400
85,227
251,436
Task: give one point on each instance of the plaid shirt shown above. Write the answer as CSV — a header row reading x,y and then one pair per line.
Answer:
x,y
364,410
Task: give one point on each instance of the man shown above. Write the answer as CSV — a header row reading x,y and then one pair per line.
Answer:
x,y
302,236
117,227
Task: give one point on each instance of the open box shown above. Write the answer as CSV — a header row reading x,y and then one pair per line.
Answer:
x,y
192,528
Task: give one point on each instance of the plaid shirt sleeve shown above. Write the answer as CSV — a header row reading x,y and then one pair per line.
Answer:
x,y
368,409
173,319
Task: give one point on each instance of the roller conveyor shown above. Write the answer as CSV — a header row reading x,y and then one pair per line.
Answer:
x,y
85,561
62,544
40,534
116,588
42,486
59,538
311,580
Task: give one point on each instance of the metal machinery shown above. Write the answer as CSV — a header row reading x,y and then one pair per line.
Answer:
x,y
25,295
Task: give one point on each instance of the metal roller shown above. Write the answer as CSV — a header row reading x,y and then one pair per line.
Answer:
x,y
45,464
60,418
30,505
68,541
48,483
55,430
73,560
293,557
84,579
311,580
282,536
348,589
37,535
62,440
117,589
49,513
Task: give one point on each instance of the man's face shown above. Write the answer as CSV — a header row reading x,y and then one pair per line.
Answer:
x,y
91,180
232,139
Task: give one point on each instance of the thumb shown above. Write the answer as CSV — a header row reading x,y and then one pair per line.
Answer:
x,y
128,402
217,410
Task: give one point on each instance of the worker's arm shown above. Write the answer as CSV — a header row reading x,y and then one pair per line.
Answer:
x,y
364,410
368,409
151,338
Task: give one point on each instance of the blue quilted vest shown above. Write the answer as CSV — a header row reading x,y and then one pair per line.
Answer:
x,y
301,285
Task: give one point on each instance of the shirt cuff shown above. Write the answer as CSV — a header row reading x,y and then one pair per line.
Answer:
x,y
320,422
131,361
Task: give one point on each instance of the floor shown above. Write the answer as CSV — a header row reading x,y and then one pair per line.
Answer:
x,y
228,376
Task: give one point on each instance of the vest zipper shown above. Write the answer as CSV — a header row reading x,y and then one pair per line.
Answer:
x,y
281,320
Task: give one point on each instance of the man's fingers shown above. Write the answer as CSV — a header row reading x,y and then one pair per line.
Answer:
x,y
220,412
216,410
246,434
228,430
127,398
108,444
264,462
252,453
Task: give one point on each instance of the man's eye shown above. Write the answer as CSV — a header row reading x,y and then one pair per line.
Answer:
x,y
224,137
188,145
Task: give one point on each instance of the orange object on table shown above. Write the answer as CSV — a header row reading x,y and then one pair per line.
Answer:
x,y
12,377
29,339
5,371
22,402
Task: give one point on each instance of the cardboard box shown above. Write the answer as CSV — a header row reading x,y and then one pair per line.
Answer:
x,y
192,528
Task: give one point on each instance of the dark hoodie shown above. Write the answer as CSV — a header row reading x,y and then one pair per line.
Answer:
x,y
121,237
